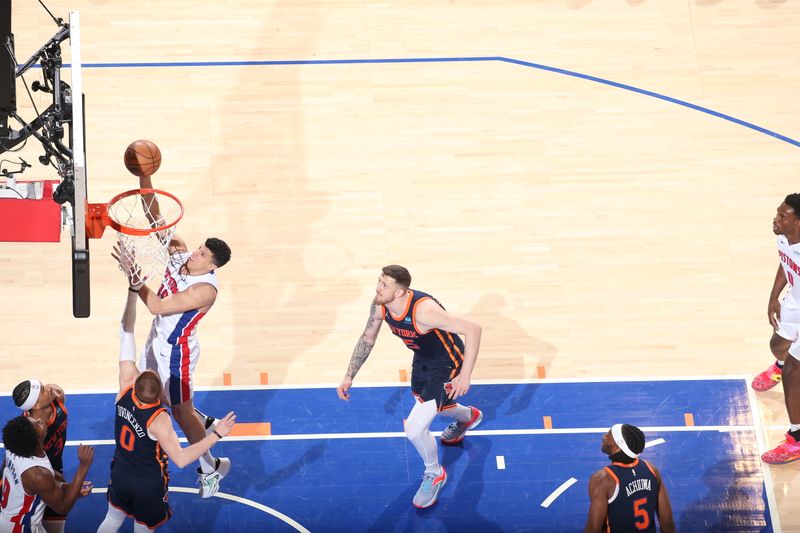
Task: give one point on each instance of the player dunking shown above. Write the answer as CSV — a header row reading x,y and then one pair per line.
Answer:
x,y
187,292
46,403
145,439
29,482
440,371
628,494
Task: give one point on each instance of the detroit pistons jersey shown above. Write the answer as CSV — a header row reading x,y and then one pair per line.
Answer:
x,y
434,344
790,261
634,505
20,511
56,435
180,328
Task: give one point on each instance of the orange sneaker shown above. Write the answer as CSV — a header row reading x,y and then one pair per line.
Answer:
x,y
767,379
786,452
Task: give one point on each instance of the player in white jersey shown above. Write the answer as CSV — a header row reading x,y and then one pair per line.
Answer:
x,y
785,320
187,293
783,316
29,482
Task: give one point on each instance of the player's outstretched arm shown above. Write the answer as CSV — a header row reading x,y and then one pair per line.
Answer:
x,y
60,498
161,428
430,315
598,502
128,372
362,350
664,506
199,296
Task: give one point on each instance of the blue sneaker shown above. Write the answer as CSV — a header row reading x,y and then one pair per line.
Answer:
x,y
428,492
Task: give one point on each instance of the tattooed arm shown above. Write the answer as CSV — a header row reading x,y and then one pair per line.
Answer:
x,y
362,349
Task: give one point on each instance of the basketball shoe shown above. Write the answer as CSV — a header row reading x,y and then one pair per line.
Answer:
x,y
786,452
456,431
767,379
209,483
428,491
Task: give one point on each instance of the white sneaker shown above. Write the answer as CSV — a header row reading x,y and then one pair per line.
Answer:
x,y
209,483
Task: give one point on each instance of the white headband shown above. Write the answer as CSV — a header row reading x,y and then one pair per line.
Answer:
x,y
33,396
616,432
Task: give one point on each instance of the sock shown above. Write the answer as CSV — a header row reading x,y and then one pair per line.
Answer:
x,y
140,528
113,521
462,413
417,424
779,364
207,463
794,428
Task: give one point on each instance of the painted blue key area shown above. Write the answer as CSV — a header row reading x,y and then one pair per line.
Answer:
x,y
508,406
366,484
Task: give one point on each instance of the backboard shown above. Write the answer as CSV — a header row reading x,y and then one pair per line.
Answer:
x,y
81,304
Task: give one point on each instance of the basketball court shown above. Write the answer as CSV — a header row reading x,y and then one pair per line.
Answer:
x,y
592,181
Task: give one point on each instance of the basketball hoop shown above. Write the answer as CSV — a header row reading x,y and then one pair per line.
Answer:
x,y
145,220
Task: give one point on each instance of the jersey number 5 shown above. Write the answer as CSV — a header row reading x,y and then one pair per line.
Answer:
x,y
641,514
126,438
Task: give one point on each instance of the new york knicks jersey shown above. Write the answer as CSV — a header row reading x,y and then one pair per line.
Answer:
x,y
136,451
634,504
179,328
56,435
790,261
20,511
434,344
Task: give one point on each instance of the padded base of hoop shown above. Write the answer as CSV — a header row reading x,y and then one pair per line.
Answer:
x,y
31,220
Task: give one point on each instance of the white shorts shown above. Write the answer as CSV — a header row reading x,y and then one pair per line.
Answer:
x,y
789,329
174,364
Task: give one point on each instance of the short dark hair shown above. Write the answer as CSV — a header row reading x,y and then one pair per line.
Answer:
x,y
21,393
793,201
398,273
634,438
220,250
20,437
148,387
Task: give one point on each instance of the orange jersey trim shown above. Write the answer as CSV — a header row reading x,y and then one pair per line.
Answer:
x,y
139,403
414,314
408,305
650,468
447,347
612,474
153,417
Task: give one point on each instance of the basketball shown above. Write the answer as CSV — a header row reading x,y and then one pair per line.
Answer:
x,y
142,158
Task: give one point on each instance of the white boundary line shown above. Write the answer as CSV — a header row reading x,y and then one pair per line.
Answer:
x,y
719,377
556,493
769,486
238,499
474,432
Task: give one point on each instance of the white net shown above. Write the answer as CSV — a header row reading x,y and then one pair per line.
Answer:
x,y
145,222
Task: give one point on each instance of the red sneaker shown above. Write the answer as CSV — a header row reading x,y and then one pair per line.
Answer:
x,y
786,452
767,379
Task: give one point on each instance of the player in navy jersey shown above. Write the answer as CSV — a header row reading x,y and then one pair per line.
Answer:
x,y
187,292
47,403
145,439
440,370
627,495
785,320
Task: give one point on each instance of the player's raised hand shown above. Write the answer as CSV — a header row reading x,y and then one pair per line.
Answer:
x,y
85,454
225,426
343,390
127,264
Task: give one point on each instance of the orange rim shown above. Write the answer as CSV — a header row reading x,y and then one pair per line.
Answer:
x,y
97,218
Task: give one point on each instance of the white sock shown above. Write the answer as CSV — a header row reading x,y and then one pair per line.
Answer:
x,y
207,463
462,413
794,427
113,521
417,424
140,528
